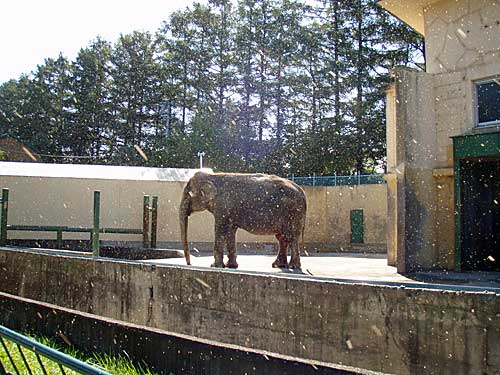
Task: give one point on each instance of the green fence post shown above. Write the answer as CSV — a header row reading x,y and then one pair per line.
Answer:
x,y
154,221
3,218
59,239
95,228
145,222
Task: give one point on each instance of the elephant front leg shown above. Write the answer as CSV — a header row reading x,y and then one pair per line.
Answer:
x,y
231,248
281,260
218,247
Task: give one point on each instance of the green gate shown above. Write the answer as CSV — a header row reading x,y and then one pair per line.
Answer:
x,y
357,226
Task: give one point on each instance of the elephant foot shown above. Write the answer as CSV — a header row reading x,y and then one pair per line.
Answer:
x,y
232,264
280,263
294,264
217,265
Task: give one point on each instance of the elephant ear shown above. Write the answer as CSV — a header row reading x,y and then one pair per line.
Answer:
x,y
208,192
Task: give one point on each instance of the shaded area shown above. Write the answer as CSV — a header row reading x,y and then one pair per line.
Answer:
x,y
162,351
116,252
480,205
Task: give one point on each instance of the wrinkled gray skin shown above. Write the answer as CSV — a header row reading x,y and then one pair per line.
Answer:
x,y
257,203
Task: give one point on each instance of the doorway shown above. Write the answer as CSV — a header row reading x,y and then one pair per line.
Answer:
x,y
480,214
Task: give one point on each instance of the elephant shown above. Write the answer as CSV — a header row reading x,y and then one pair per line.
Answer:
x,y
258,203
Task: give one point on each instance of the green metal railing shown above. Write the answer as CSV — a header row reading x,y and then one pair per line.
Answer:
x,y
95,230
339,180
3,218
26,345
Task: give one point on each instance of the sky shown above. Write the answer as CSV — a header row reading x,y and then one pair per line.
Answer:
x,y
33,30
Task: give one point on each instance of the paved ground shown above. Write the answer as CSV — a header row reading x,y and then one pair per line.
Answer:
x,y
370,268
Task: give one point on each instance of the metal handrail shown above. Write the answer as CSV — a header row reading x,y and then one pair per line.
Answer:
x,y
95,230
40,349
63,228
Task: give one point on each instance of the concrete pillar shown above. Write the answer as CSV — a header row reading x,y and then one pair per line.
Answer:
x,y
412,148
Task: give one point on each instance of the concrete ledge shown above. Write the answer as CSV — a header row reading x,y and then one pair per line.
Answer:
x,y
161,351
442,172
402,330
119,250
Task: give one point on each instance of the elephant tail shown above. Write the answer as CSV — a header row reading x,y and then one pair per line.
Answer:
x,y
304,226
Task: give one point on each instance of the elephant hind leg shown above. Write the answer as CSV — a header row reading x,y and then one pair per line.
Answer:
x,y
295,258
281,260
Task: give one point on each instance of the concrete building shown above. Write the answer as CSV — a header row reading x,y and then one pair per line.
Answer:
x,y
443,140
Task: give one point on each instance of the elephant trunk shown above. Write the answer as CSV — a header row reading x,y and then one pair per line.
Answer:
x,y
184,213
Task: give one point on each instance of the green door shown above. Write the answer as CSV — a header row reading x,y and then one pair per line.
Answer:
x,y
357,229
480,214
477,201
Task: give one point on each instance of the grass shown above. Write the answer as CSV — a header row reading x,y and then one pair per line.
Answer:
x,y
112,364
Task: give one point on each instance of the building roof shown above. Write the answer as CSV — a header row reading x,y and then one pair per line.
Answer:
x,y
15,150
410,12
103,172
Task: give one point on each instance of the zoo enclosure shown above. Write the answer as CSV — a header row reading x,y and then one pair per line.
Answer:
x,y
94,231
58,194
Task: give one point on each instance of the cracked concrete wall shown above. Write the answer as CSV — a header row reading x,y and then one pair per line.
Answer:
x,y
462,46
461,34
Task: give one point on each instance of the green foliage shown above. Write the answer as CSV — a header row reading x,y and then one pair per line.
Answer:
x,y
279,86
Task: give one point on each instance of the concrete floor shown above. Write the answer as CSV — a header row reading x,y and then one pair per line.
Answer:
x,y
368,268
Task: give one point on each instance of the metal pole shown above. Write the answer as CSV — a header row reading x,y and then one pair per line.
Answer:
x,y
95,228
201,154
3,219
145,222
359,177
154,221
335,180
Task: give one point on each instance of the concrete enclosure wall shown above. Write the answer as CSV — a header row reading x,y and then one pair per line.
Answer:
x,y
399,330
68,201
162,352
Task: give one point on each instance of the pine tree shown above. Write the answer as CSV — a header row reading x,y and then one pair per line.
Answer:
x,y
91,85
135,95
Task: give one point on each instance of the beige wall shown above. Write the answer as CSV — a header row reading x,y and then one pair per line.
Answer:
x,y
60,201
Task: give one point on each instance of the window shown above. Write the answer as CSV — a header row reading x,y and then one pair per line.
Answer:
x,y
488,102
